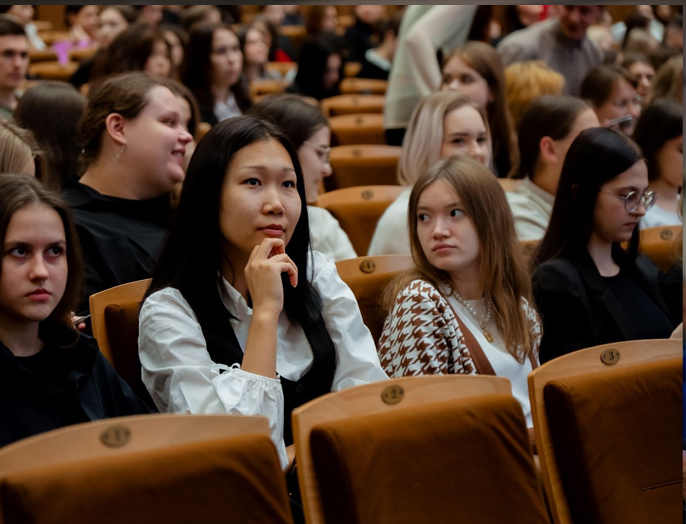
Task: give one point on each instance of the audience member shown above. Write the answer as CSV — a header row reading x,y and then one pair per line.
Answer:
x,y
14,63
639,66
321,19
517,17
280,46
646,17
674,33
320,70
612,93
588,288
528,81
83,23
377,62
23,14
255,55
51,111
133,147
309,133
640,41
140,47
257,325
196,15
364,33
443,124
659,133
661,55
113,20
467,307
415,74
476,70
291,13
150,14
669,81
546,132
214,73
560,42
18,149
51,375
190,117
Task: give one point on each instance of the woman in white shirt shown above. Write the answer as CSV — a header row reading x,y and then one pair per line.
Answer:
x,y
310,134
546,131
443,124
659,133
466,308
241,317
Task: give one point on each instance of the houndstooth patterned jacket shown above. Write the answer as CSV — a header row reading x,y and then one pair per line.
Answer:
x,y
421,336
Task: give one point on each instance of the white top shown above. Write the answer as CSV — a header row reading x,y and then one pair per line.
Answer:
x,y
416,72
391,236
531,207
226,110
503,363
659,217
181,377
327,236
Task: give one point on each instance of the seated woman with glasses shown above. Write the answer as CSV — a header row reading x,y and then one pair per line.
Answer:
x,y
589,288
310,134
612,93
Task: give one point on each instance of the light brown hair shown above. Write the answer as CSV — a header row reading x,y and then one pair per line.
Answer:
x,y
528,81
17,148
504,276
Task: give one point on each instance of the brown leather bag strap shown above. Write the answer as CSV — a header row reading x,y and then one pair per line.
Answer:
x,y
481,362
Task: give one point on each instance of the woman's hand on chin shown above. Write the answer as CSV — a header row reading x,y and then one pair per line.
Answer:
x,y
263,275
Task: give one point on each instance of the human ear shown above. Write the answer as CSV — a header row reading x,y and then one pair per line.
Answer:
x,y
548,150
114,124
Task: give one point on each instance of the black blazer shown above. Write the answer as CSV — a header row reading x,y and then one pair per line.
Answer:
x,y
578,309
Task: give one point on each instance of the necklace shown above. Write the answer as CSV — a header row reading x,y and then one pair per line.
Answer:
x,y
482,323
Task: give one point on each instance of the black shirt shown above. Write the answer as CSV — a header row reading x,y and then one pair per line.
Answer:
x,y
120,238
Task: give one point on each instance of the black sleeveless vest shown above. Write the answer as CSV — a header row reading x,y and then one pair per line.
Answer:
x,y
223,347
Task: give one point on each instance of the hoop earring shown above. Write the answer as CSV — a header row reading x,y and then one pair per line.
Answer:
x,y
116,157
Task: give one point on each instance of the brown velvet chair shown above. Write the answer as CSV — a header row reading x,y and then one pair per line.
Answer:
x,y
607,425
358,209
236,479
363,165
368,277
124,435
355,129
435,449
363,86
350,104
663,245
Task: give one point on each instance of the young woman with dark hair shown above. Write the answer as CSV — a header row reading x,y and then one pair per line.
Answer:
x,y
659,133
82,21
320,69
612,93
466,308
588,288
133,141
546,131
639,66
310,134
214,73
475,69
51,111
50,375
248,320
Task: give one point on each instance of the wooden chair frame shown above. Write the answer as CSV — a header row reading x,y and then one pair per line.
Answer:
x,y
367,400
118,436
583,362
131,292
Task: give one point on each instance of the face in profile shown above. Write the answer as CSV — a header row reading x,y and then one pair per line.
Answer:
x,y
260,199
464,133
460,77
446,234
33,274
670,161
623,101
314,161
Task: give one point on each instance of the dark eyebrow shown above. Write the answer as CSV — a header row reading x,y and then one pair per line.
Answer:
x,y
265,168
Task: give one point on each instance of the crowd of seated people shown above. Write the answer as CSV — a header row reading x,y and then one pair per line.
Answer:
x,y
189,146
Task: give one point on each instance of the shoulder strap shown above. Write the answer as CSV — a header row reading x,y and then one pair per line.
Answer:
x,y
481,362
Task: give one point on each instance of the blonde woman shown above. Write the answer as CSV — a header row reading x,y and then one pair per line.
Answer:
x,y
467,307
443,124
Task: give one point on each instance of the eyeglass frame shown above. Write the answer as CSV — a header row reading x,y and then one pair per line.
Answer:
x,y
325,149
643,198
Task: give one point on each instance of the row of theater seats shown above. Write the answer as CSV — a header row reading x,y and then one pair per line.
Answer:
x,y
439,449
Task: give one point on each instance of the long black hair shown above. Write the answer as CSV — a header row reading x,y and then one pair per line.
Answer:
x,y
314,55
595,157
661,121
191,259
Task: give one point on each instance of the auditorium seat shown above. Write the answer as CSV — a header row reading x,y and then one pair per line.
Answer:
x,y
363,165
351,104
607,425
358,209
367,278
438,449
662,244
364,86
357,129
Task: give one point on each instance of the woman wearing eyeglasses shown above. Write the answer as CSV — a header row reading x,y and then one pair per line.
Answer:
x,y
589,288
612,92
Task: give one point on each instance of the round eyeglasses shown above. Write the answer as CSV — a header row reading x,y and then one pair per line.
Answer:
x,y
633,199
